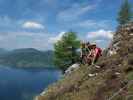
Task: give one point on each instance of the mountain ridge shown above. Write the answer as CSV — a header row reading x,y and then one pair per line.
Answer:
x,y
27,57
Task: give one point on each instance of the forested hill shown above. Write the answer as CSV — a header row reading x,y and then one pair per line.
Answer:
x,y
27,57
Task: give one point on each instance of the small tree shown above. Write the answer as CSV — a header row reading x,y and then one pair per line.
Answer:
x,y
65,51
125,13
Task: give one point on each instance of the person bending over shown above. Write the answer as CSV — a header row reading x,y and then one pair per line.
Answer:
x,y
96,52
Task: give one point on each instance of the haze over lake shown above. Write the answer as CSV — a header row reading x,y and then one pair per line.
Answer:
x,y
24,84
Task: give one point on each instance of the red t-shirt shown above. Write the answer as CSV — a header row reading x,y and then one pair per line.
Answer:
x,y
97,52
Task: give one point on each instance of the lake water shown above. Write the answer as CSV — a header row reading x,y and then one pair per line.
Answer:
x,y
24,84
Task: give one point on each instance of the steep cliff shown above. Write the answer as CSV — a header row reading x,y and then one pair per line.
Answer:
x,y
113,80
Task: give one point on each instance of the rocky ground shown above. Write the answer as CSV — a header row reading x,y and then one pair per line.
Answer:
x,y
113,81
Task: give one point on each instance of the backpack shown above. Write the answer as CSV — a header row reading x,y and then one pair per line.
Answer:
x,y
99,51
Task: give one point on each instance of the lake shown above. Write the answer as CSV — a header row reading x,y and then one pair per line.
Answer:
x,y
24,84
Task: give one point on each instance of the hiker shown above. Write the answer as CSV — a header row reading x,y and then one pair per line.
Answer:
x,y
88,47
89,55
83,52
96,52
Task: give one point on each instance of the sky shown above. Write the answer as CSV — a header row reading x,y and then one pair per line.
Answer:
x,y
41,23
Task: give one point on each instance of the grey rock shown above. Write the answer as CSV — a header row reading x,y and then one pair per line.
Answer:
x,y
72,68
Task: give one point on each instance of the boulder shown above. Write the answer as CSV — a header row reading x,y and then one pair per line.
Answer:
x,y
72,68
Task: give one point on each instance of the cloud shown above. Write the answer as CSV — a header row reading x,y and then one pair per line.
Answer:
x,y
93,24
32,25
100,40
101,37
56,38
100,34
8,23
13,40
74,12
6,20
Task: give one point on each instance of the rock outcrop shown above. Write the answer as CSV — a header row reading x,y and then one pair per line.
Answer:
x,y
72,68
121,38
113,80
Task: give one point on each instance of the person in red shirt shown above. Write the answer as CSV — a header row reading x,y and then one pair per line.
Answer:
x,y
96,52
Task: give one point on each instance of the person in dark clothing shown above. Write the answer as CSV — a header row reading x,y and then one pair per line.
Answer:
x,y
85,50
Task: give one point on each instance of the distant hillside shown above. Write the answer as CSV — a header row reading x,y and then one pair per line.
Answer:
x,y
3,51
27,57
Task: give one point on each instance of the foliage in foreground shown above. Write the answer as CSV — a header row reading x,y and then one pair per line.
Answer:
x,y
65,51
125,14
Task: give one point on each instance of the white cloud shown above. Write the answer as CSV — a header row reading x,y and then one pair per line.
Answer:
x,y
56,38
99,41
74,12
33,25
101,33
101,37
13,40
93,24
5,20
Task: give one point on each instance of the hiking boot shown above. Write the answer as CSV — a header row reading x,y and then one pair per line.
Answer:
x,y
92,75
117,73
97,66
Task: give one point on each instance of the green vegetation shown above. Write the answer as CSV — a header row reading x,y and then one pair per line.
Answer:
x,y
125,13
65,51
26,58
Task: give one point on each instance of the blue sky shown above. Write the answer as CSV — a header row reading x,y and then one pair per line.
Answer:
x,y
40,23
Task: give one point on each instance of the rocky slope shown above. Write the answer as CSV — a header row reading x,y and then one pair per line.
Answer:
x,y
113,80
